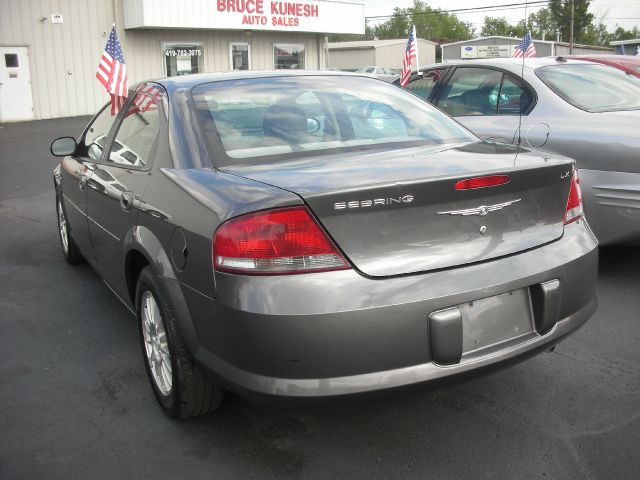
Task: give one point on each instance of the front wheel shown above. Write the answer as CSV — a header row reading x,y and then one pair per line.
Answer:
x,y
70,250
180,386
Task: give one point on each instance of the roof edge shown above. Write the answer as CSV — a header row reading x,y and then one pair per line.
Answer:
x,y
625,42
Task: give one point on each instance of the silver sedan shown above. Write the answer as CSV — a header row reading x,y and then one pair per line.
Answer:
x,y
583,110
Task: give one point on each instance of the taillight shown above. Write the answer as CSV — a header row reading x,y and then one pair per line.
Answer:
x,y
275,242
482,182
574,210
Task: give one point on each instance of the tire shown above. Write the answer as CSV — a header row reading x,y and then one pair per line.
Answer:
x,y
182,389
70,250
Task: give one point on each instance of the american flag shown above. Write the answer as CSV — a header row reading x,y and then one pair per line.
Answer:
x,y
620,50
410,53
525,48
112,72
146,100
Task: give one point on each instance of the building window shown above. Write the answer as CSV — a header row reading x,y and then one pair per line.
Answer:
x,y
11,60
239,54
182,58
288,56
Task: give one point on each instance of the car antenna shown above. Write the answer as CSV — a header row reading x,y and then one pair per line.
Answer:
x,y
526,4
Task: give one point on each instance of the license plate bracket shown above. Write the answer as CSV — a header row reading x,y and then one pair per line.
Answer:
x,y
493,323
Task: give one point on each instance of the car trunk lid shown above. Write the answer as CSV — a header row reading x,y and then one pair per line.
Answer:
x,y
398,212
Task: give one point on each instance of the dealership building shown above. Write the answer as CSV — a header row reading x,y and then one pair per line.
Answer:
x,y
50,49
381,53
631,47
495,47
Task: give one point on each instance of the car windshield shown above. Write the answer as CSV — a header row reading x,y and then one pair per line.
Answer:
x,y
259,119
594,88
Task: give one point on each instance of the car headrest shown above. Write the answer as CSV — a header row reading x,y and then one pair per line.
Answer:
x,y
287,122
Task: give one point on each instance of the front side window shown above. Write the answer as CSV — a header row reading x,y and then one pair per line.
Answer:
x,y
137,133
469,90
423,86
239,53
260,120
95,139
594,88
183,59
288,57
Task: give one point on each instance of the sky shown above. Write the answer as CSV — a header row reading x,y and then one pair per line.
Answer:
x,y
625,13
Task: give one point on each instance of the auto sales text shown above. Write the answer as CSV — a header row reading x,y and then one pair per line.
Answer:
x,y
283,14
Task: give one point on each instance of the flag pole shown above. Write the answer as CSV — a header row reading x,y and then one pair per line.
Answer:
x,y
415,38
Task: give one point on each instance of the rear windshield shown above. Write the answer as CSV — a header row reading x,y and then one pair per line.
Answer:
x,y
257,120
594,88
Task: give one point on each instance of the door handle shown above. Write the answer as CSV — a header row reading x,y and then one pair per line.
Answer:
x,y
126,200
83,181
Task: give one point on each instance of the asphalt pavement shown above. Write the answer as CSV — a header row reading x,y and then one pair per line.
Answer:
x,y
75,400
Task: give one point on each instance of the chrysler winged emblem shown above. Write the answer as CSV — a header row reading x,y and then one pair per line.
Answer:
x,y
481,211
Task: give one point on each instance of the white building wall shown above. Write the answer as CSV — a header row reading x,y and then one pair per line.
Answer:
x,y
63,57
380,53
562,49
390,56
145,57
352,59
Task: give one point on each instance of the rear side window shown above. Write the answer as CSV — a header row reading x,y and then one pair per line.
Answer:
x,y
483,91
513,97
591,87
469,92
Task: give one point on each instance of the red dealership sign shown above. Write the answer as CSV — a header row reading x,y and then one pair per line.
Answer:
x,y
322,16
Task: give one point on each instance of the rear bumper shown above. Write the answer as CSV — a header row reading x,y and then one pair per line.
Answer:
x,y
338,334
263,388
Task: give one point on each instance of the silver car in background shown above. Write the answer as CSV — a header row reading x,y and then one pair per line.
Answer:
x,y
583,110
381,73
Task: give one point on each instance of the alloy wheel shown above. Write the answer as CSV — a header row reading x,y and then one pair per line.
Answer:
x,y
62,227
156,344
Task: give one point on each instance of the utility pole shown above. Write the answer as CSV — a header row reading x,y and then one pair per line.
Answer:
x,y
571,28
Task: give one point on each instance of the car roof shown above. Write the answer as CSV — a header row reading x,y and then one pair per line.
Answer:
x,y
610,56
508,62
189,81
621,59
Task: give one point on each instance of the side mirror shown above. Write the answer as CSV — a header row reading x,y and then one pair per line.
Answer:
x,y
63,146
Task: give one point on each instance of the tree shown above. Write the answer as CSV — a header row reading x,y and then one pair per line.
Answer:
x,y
622,34
560,13
542,25
396,27
597,34
432,24
495,26
443,27
500,27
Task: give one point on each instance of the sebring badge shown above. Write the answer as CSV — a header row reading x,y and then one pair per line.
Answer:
x,y
374,202
481,210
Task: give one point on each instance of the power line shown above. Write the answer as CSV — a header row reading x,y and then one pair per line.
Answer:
x,y
507,6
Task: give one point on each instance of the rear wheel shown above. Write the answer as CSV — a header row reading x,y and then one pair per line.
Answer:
x,y
70,250
180,386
